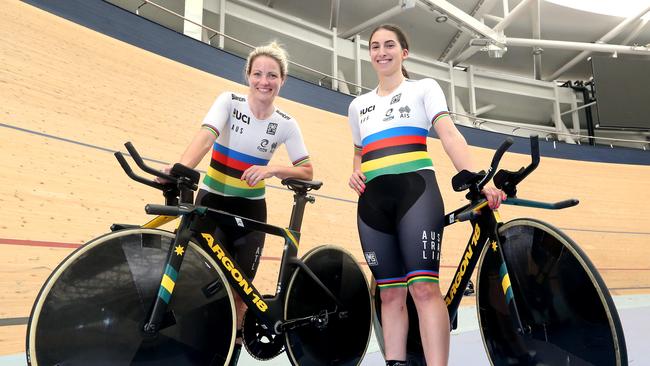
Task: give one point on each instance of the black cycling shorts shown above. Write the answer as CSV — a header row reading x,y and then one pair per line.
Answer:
x,y
244,246
400,219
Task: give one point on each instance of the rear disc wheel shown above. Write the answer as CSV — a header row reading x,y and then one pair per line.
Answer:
x,y
344,340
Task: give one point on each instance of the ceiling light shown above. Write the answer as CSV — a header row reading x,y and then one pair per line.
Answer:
x,y
441,18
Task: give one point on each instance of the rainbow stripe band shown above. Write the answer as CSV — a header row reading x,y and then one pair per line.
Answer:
x,y
302,161
394,151
438,116
226,169
409,279
214,131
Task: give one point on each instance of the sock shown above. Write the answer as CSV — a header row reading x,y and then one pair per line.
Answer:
x,y
395,363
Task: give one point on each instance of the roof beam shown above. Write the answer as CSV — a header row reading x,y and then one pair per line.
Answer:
x,y
463,19
461,38
378,19
586,47
507,20
635,32
611,34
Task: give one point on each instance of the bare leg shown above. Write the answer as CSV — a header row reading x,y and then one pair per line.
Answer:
x,y
434,322
395,322
240,308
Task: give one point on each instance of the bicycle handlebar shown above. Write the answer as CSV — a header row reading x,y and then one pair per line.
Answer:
x,y
495,161
127,169
140,163
153,209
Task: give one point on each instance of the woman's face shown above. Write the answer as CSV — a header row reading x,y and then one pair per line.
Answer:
x,y
386,53
264,79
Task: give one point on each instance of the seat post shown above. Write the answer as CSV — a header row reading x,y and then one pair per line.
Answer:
x,y
300,200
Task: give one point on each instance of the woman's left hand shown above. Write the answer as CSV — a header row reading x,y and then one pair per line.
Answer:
x,y
256,173
494,196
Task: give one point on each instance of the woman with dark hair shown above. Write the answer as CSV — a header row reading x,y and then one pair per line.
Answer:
x,y
400,211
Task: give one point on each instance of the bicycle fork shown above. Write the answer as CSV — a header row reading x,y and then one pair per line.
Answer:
x,y
170,274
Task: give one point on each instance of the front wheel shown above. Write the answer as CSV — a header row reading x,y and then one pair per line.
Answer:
x,y
92,308
344,339
567,312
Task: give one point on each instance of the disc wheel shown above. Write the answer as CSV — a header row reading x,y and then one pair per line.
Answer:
x,y
263,344
563,303
344,340
92,308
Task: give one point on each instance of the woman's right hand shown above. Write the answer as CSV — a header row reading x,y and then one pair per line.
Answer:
x,y
357,181
165,170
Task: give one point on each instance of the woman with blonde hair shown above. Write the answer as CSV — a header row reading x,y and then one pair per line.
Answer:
x,y
242,131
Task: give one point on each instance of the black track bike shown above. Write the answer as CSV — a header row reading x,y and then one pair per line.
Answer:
x,y
144,296
540,300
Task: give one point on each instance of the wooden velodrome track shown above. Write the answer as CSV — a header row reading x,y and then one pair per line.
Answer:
x,y
69,96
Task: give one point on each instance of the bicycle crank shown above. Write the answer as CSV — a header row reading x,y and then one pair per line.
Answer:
x,y
263,344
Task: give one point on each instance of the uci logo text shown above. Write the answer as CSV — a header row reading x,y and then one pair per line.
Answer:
x,y
367,110
240,116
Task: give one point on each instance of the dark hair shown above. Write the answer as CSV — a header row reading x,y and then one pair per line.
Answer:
x,y
401,38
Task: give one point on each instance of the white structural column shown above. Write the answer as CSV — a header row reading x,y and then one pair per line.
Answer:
x,y
335,61
535,14
357,62
222,22
604,39
193,12
472,90
452,88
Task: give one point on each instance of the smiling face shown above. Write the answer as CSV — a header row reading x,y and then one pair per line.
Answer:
x,y
264,79
386,53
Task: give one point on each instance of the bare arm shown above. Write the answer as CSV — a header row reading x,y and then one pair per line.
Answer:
x,y
458,151
357,179
454,144
196,150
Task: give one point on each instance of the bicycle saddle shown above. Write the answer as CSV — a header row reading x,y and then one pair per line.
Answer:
x,y
301,185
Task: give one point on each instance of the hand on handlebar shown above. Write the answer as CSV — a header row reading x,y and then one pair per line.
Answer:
x,y
165,170
494,196
357,182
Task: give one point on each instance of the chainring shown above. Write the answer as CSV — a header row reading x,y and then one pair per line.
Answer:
x,y
262,344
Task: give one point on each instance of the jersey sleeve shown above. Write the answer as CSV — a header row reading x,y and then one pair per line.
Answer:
x,y
296,146
217,117
435,103
353,120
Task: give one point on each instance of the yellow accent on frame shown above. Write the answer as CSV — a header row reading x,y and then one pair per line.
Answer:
x,y
168,283
505,283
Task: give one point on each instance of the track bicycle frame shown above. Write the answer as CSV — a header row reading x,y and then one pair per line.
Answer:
x,y
485,227
268,310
